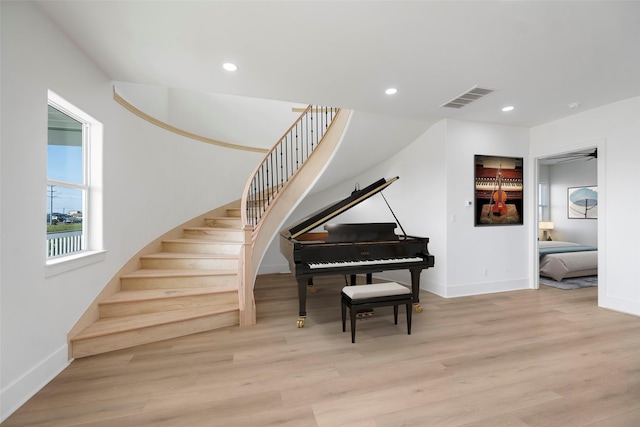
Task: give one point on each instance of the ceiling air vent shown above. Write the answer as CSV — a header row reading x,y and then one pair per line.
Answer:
x,y
472,95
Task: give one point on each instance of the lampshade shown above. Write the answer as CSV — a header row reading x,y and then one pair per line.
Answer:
x,y
545,225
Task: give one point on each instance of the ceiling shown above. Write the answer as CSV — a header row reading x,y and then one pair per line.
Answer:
x,y
539,56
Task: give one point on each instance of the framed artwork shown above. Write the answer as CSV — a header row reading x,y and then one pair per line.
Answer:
x,y
498,190
582,202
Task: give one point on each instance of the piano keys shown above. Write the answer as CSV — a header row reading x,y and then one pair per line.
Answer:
x,y
486,183
381,261
350,249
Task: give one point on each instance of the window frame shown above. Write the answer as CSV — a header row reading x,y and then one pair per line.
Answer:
x,y
91,173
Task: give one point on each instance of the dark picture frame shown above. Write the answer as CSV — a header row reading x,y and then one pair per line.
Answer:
x,y
582,202
498,190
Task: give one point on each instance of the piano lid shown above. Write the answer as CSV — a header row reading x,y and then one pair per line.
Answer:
x,y
335,209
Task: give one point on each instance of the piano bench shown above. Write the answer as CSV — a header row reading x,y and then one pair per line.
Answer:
x,y
364,297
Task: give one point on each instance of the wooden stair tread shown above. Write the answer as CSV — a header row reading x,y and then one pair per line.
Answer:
x,y
204,242
235,218
156,272
158,294
115,325
214,228
178,255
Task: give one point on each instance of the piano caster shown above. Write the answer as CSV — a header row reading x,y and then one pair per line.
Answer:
x,y
418,307
300,322
310,286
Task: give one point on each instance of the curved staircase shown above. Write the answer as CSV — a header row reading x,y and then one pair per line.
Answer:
x,y
190,286
204,279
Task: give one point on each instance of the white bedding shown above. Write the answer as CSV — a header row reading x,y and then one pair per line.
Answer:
x,y
569,264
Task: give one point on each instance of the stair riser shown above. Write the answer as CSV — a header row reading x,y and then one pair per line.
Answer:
x,y
234,212
197,248
215,234
167,304
258,203
222,281
98,345
189,263
224,222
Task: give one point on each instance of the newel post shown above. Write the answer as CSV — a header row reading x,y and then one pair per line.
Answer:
x,y
245,282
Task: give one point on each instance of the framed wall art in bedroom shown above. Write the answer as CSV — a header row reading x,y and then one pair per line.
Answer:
x,y
582,202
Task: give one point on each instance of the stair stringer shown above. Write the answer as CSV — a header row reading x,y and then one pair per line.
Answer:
x,y
285,201
92,313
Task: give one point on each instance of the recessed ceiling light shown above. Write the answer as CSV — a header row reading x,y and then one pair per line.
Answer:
x,y
391,91
508,108
229,66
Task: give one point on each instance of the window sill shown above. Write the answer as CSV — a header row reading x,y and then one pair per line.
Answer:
x,y
67,263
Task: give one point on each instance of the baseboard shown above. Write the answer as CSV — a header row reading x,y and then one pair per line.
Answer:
x,y
25,387
469,289
444,291
273,269
435,288
620,305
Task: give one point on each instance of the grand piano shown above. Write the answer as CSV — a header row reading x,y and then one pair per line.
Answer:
x,y
351,249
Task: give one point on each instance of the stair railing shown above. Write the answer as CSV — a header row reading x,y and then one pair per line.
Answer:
x,y
278,167
283,161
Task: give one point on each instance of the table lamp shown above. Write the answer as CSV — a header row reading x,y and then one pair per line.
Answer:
x,y
546,227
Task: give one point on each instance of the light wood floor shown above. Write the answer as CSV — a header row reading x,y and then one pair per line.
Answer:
x,y
543,357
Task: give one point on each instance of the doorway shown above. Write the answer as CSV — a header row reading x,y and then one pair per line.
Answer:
x,y
567,244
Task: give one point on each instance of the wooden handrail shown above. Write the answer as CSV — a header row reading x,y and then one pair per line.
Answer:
x,y
120,100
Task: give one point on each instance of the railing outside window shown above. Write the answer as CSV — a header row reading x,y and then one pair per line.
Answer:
x,y
63,243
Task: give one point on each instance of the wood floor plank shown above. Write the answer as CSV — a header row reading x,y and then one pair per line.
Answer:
x,y
528,358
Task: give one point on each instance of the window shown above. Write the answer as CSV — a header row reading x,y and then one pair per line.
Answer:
x,y
70,142
543,201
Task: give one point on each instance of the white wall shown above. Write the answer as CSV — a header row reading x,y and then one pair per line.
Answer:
x,y
562,176
153,181
484,259
615,130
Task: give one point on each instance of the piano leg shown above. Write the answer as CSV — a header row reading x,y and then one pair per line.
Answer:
x,y
302,300
415,287
310,286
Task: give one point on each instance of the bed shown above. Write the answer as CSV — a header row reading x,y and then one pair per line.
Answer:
x,y
559,260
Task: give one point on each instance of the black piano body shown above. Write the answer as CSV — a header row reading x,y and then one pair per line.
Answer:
x,y
351,249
